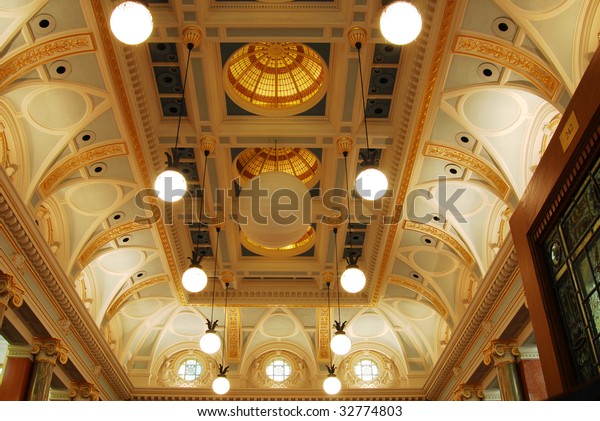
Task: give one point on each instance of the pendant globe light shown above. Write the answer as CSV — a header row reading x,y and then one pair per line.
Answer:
x,y
194,279
220,384
371,183
170,185
131,22
331,385
340,343
210,341
353,279
400,22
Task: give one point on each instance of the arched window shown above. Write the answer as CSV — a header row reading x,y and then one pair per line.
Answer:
x,y
366,369
190,370
278,369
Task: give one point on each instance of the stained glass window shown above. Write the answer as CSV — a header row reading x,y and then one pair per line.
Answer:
x,y
278,369
190,370
572,252
366,369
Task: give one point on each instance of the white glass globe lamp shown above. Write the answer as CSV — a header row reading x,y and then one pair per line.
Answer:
x,y
131,22
371,184
170,185
194,279
210,342
353,279
340,343
400,23
220,384
332,385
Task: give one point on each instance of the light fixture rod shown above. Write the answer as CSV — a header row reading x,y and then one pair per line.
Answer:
x,y
351,259
358,46
212,309
329,322
337,277
189,46
224,327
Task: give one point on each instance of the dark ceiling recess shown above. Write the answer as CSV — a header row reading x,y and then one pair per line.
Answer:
x,y
382,79
167,76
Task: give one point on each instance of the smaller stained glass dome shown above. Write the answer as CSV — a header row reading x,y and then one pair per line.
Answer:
x,y
299,162
275,78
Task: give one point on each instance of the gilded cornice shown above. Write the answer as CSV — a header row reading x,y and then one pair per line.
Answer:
x,y
491,288
442,236
501,351
420,289
415,142
107,236
234,328
114,307
324,330
513,58
132,134
85,331
17,65
76,162
472,163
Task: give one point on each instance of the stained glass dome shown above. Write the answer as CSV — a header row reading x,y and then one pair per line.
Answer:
x,y
275,78
299,162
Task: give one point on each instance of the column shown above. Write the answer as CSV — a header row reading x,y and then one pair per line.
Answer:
x,y
16,373
504,354
46,352
468,392
83,392
530,369
10,293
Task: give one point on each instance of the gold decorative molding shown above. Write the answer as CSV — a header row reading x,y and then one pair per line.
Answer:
x,y
83,392
234,329
501,351
513,58
48,350
132,134
114,307
82,159
420,289
472,163
17,65
107,236
414,147
442,236
468,392
10,292
323,329
3,146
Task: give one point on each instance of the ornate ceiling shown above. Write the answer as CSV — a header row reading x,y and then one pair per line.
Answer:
x,y
459,119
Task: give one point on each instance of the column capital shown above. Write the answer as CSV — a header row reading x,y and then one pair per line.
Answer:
x,y
501,351
48,350
83,392
10,292
468,392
